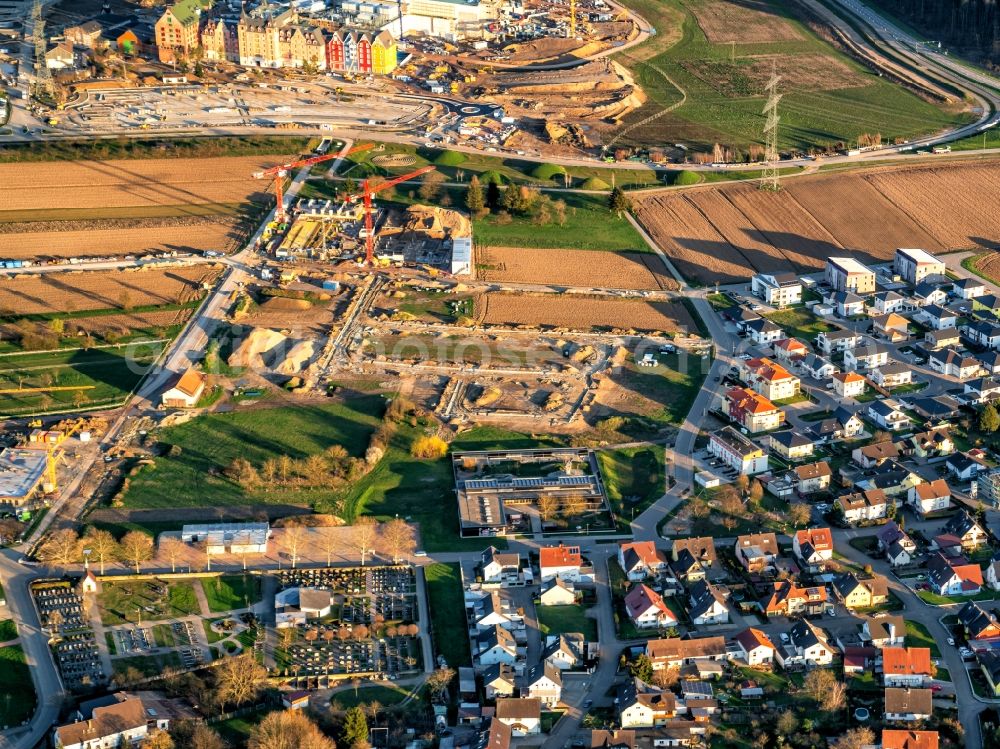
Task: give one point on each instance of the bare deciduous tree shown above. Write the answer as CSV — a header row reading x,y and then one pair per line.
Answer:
x,y
172,547
398,539
292,538
288,729
137,547
239,679
62,547
102,544
364,533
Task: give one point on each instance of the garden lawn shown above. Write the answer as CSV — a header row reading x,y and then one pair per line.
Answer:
x,y
211,442
447,605
917,636
384,695
230,592
557,620
17,691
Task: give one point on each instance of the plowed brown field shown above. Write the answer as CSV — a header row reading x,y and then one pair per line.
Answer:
x,y
197,236
111,184
988,264
624,270
583,313
78,291
866,214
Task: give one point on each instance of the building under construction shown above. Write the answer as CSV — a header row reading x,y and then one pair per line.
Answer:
x,y
321,229
21,473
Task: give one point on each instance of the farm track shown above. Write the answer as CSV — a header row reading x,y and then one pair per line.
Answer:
x,y
653,117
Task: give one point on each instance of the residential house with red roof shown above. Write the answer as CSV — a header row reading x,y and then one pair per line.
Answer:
x,y
906,667
953,576
769,378
561,561
813,546
755,647
752,411
893,738
646,608
641,559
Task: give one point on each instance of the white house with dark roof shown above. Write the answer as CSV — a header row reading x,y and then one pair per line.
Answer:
x,y
707,605
777,289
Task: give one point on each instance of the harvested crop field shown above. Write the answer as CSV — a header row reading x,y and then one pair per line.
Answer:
x,y
76,291
617,270
988,265
188,234
152,182
747,22
747,76
726,233
582,313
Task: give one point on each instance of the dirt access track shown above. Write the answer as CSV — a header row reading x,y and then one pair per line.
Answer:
x,y
575,312
726,233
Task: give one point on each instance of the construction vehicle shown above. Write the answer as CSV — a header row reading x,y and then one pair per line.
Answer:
x,y
368,190
280,172
35,423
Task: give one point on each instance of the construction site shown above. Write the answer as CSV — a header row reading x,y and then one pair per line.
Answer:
x,y
39,459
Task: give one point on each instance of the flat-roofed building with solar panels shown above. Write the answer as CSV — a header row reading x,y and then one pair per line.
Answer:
x,y
234,538
491,496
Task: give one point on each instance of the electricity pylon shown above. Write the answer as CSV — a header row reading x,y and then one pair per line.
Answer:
x,y
770,178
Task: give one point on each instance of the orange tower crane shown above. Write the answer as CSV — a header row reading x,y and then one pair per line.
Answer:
x,y
280,172
368,190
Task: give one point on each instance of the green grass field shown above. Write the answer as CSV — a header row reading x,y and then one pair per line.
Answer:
x,y
147,665
633,478
799,323
130,602
230,592
673,384
725,91
421,490
589,224
556,620
17,692
110,375
211,442
445,597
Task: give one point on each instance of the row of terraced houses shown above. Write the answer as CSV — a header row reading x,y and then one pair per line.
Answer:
x,y
270,39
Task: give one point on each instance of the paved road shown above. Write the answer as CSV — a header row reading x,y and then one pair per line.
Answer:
x,y
914,609
48,686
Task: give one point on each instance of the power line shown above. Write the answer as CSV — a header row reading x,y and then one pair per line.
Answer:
x,y
770,177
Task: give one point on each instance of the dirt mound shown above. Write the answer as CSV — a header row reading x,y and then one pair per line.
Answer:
x,y
284,304
435,222
253,349
297,358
